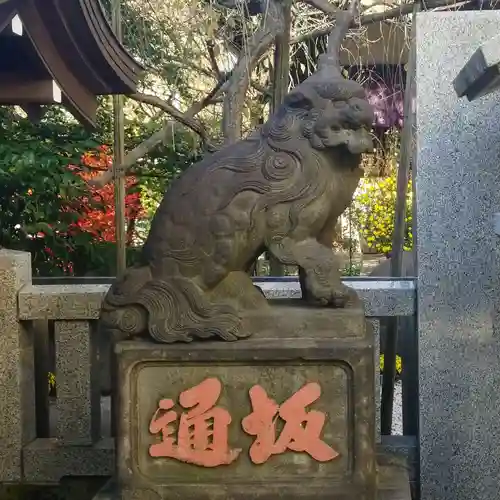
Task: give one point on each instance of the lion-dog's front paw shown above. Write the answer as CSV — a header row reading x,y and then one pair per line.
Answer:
x,y
327,291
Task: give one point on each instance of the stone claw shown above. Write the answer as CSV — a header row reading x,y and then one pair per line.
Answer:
x,y
331,293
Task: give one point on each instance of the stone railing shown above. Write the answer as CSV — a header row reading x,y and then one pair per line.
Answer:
x,y
44,438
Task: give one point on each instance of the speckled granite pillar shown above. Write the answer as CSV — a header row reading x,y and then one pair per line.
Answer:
x,y
375,323
78,404
457,190
17,398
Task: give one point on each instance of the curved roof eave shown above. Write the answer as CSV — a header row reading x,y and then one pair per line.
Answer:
x,y
7,13
101,48
66,40
100,20
79,100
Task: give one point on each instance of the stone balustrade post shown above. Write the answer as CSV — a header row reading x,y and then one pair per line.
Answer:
x,y
17,390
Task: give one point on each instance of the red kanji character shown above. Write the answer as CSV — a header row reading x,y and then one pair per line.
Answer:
x,y
202,436
302,429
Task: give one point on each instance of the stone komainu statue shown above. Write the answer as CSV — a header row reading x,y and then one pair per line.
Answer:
x,y
281,189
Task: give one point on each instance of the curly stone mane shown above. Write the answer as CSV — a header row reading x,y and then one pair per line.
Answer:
x,y
281,189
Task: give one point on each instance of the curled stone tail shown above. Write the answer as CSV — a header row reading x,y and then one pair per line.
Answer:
x,y
176,310
180,311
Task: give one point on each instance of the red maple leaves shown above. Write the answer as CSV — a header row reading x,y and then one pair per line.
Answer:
x,y
96,209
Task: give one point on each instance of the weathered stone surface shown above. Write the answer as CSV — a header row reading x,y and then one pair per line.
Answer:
x,y
47,460
457,174
61,301
299,320
281,189
17,389
393,484
81,488
375,326
384,297
281,362
380,298
393,449
78,390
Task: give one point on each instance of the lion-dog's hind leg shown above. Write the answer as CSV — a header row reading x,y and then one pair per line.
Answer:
x,y
238,289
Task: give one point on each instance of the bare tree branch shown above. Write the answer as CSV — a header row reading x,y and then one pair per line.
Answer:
x,y
181,117
345,20
237,87
379,3
324,6
218,76
235,84
333,9
365,19
165,133
213,59
162,135
192,66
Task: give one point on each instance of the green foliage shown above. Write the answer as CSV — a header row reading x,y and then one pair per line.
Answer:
x,y
35,185
165,166
159,169
352,269
169,39
373,212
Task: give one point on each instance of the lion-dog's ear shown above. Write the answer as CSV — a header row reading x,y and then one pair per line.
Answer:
x,y
304,99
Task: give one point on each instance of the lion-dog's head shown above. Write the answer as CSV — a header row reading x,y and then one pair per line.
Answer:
x,y
329,114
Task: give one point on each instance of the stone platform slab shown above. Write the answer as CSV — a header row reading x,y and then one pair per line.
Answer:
x,y
393,484
291,412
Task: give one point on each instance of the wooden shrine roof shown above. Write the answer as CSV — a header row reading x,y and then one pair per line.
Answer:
x,y
61,51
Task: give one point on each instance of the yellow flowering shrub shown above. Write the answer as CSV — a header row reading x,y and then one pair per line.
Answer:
x,y
399,365
373,212
52,381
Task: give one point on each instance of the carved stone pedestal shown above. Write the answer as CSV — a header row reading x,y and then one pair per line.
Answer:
x,y
288,413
